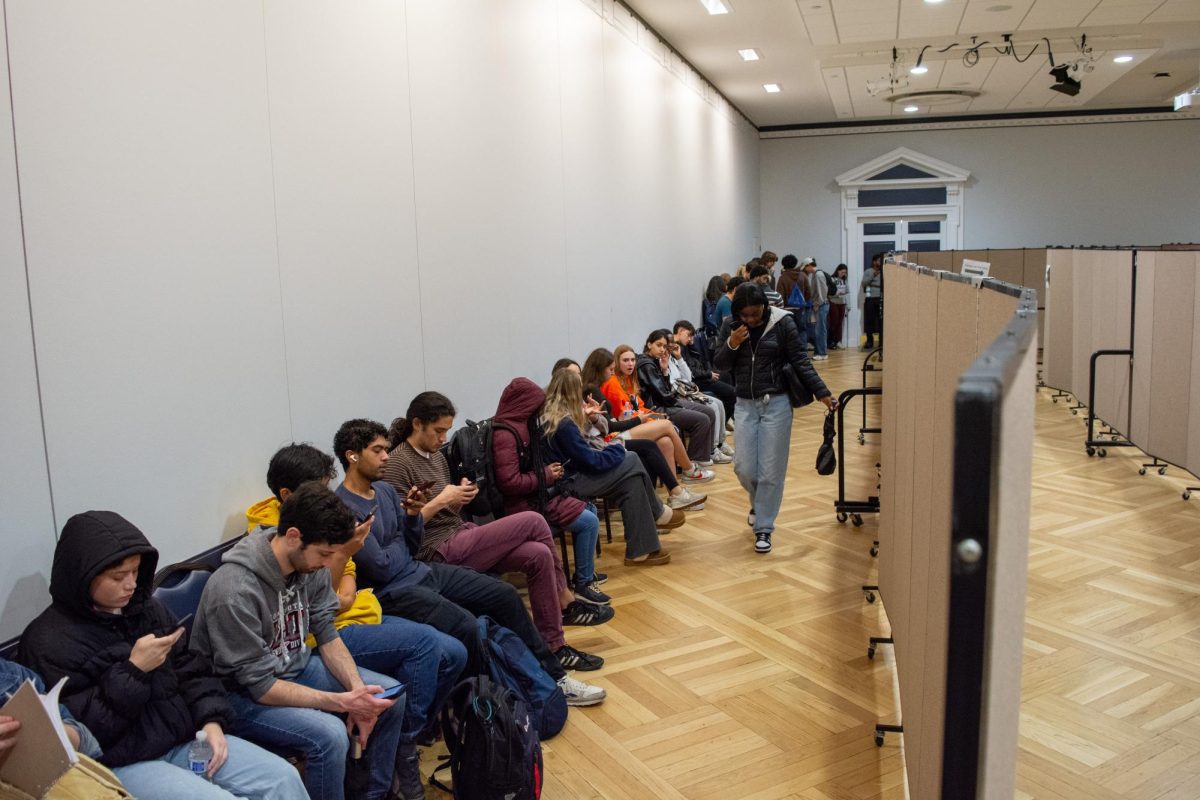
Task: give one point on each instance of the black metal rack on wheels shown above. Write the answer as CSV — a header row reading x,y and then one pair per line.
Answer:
x,y
869,366
851,509
1095,446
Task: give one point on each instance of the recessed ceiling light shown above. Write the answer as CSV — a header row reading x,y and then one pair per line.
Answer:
x,y
933,2
749,54
999,8
772,88
921,70
911,109
715,6
1122,59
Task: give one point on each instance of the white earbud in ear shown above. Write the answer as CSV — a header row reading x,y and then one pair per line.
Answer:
x,y
354,458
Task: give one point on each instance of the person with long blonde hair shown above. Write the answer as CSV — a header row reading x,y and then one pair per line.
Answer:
x,y
611,472
624,395
654,441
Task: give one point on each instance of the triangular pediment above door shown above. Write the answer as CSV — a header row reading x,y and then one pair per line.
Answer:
x,y
903,167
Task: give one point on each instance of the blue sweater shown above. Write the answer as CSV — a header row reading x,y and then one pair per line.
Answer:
x,y
385,562
568,447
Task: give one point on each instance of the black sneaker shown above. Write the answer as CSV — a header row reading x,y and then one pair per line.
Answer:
x,y
581,613
570,658
762,542
406,780
588,593
599,578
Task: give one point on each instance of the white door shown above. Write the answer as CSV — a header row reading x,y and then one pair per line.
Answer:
x,y
884,234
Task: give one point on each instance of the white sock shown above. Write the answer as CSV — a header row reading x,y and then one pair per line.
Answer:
x,y
666,515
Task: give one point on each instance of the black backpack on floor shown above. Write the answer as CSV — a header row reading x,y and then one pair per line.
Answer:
x,y
494,749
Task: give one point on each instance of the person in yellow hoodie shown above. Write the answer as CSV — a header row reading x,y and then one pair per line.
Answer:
x,y
427,661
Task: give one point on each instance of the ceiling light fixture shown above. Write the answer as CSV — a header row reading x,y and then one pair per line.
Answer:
x,y
911,109
715,6
772,88
933,2
1122,59
1067,74
749,54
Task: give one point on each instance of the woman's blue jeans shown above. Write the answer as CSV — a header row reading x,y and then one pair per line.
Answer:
x,y
585,532
763,432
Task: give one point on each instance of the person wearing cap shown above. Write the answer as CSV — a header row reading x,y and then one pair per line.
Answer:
x,y
817,318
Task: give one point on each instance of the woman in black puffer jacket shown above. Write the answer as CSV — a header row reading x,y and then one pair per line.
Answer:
x,y
756,343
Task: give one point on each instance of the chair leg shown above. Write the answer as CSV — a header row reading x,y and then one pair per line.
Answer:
x,y
607,521
566,561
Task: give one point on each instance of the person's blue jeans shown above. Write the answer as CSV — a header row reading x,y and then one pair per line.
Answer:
x,y
585,532
249,772
321,737
822,330
427,661
763,430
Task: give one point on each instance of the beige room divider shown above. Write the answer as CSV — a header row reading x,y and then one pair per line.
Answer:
x,y
1165,412
938,324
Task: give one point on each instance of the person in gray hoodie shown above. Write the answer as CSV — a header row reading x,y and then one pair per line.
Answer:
x,y
257,609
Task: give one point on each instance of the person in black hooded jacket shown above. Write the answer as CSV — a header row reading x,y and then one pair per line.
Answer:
x,y
757,343
130,678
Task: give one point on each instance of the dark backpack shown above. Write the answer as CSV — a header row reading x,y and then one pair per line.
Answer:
x,y
494,749
830,284
513,666
469,454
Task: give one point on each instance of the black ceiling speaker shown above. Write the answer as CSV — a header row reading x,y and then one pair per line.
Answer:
x,y
1065,83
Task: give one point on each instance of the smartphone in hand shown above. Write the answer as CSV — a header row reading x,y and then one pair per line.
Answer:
x,y
369,514
394,691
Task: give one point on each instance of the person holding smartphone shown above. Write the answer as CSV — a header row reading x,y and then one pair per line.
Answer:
x,y
756,344
131,679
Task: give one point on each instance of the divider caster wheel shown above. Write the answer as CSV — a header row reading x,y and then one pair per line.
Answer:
x,y
874,552
1091,451
871,655
1054,400
842,517
1162,470
856,519
871,599
862,439
1074,412
1142,471
1187,495
1102,452
878,739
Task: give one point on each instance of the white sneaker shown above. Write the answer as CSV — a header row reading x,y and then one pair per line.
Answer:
x,y
698,475
820,358
686,500
708,462
579,693
720,458
726,449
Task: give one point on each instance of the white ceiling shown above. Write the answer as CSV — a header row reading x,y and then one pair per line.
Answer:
x,y
824,52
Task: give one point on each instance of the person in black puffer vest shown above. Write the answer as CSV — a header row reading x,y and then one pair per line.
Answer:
x,y
756,343
131,680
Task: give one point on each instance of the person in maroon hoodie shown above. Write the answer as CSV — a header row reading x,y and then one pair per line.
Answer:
x,y
528,483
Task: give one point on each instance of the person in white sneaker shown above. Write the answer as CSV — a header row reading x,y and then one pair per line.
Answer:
x,y
818,320
624,394
755,350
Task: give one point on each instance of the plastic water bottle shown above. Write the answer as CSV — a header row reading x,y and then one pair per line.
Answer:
x,y
626,410
200,753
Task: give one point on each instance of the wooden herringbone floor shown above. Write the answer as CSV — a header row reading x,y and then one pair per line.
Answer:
x,y
737,676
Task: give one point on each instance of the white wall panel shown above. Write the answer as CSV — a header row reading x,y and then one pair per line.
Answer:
x,y
146,186
487,152
342,154
26,524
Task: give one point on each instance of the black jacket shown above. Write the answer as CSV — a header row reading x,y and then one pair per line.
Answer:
x,y
699,360
656,387
759,370
136,716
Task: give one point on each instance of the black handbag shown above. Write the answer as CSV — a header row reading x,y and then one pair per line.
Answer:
x,y
826,458
798,393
